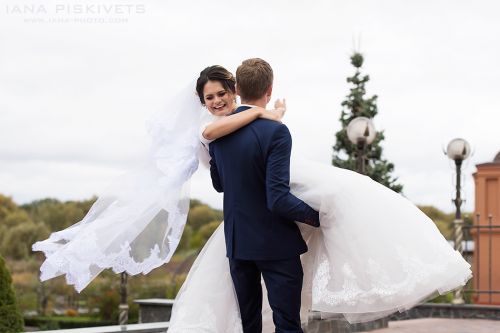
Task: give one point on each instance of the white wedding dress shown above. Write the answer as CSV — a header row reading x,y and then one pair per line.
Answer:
x,y
375,253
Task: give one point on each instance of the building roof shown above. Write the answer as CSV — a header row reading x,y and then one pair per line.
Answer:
x,y
497,158
495,163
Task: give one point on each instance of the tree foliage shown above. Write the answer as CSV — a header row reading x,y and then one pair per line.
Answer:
x,y
11,320
202,214
357,104
204,233
18,239
442,220
7,206
15,218
58,215
22,225
185,242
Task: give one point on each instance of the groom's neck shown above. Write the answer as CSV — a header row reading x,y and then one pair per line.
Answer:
x,y
261,102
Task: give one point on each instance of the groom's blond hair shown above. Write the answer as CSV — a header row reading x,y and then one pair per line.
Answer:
x,y
253,79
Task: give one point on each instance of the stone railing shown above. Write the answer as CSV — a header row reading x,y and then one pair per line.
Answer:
x,y
160,309
160,327
154,309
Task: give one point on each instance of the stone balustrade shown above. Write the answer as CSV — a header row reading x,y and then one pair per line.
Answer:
x,y
152,309
160,327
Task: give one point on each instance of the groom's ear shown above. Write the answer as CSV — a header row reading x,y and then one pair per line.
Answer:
x,y
269,91
237,89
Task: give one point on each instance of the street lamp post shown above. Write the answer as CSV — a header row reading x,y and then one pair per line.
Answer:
x,y
458,150
123,308
361,132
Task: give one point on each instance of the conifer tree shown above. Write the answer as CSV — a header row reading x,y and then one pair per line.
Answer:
x,y
355,105
11,320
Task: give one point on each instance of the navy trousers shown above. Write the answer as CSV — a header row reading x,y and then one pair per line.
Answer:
x,y
283,279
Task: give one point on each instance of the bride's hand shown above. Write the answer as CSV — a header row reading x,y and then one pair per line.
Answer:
x,y
275,115
280,105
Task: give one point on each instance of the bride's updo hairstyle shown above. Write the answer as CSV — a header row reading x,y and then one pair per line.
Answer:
x,y
215,73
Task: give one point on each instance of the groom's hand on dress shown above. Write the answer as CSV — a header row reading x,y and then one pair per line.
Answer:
x,y
313,221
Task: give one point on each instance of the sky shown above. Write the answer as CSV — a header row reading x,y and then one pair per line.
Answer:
x,y
78,80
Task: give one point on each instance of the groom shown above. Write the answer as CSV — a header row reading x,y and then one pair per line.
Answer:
x,y
252,167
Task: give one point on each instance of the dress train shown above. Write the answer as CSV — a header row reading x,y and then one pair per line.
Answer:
x,y
375,253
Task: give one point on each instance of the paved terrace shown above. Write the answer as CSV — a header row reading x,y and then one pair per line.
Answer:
x,y
428,325
425,318
441,325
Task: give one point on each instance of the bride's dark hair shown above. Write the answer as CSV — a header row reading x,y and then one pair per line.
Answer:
x,y
215,73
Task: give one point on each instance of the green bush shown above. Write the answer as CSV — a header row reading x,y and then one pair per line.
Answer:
x,y
108,306
10,316
133,313
446,298
62,322
175,285
49,325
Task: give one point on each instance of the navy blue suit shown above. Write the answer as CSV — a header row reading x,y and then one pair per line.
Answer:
x,y
252,167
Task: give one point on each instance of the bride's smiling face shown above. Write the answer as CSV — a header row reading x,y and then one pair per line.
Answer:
x,y
218,100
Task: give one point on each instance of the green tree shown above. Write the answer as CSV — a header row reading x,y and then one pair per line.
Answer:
x,y
11,320
18,240
442,220
15,218
58,215
7,206
355,105
3,232
194,202
175,285
201,237
202,214
185,242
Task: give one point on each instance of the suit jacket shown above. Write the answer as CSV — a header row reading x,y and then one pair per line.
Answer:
x,y
252,167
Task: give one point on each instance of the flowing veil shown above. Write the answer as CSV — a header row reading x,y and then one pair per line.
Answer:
x,y
136,224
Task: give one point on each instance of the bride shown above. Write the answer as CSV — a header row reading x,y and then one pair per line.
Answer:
x,y
375,252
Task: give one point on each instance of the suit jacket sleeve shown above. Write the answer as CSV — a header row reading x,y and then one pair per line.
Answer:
x,y
279,198
214,173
